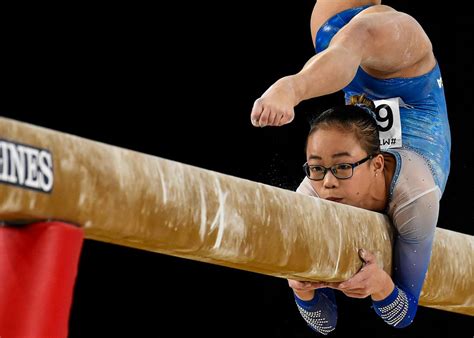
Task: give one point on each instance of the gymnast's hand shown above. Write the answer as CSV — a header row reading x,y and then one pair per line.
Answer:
x,y
305,290
371,280
276,106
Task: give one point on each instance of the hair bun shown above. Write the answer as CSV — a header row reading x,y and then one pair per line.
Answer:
x,y
363,102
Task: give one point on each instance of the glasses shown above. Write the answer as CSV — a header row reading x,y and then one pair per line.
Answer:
x,y
342,171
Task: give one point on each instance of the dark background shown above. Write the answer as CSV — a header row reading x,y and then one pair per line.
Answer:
x,y
179,82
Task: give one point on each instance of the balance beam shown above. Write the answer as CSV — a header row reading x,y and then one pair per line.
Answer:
x,y
128,198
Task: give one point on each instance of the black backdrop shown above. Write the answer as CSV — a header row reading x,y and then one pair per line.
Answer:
x,y
178,82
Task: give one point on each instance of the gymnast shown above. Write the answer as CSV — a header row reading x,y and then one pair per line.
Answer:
x,y
372,52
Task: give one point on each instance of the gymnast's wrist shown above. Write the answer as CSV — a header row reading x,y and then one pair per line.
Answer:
x,y
305,295
385,290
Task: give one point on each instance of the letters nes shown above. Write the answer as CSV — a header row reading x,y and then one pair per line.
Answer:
x,y
26,166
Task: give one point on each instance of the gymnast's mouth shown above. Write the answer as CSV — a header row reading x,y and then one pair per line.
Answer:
x,y
334,199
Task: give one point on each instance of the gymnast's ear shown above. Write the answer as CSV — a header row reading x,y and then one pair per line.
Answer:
x,y
378,162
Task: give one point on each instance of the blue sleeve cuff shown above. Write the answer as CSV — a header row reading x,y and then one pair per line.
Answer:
x,y
398,309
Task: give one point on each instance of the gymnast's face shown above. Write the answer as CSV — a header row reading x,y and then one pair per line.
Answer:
x,y
330,146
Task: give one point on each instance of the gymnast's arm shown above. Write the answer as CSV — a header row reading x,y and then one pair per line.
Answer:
x,y
386,44
316,304
416,223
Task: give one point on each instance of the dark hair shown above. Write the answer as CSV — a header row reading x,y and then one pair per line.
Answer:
x,y
357,117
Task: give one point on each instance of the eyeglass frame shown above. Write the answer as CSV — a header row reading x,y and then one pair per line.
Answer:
x,y
333,169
